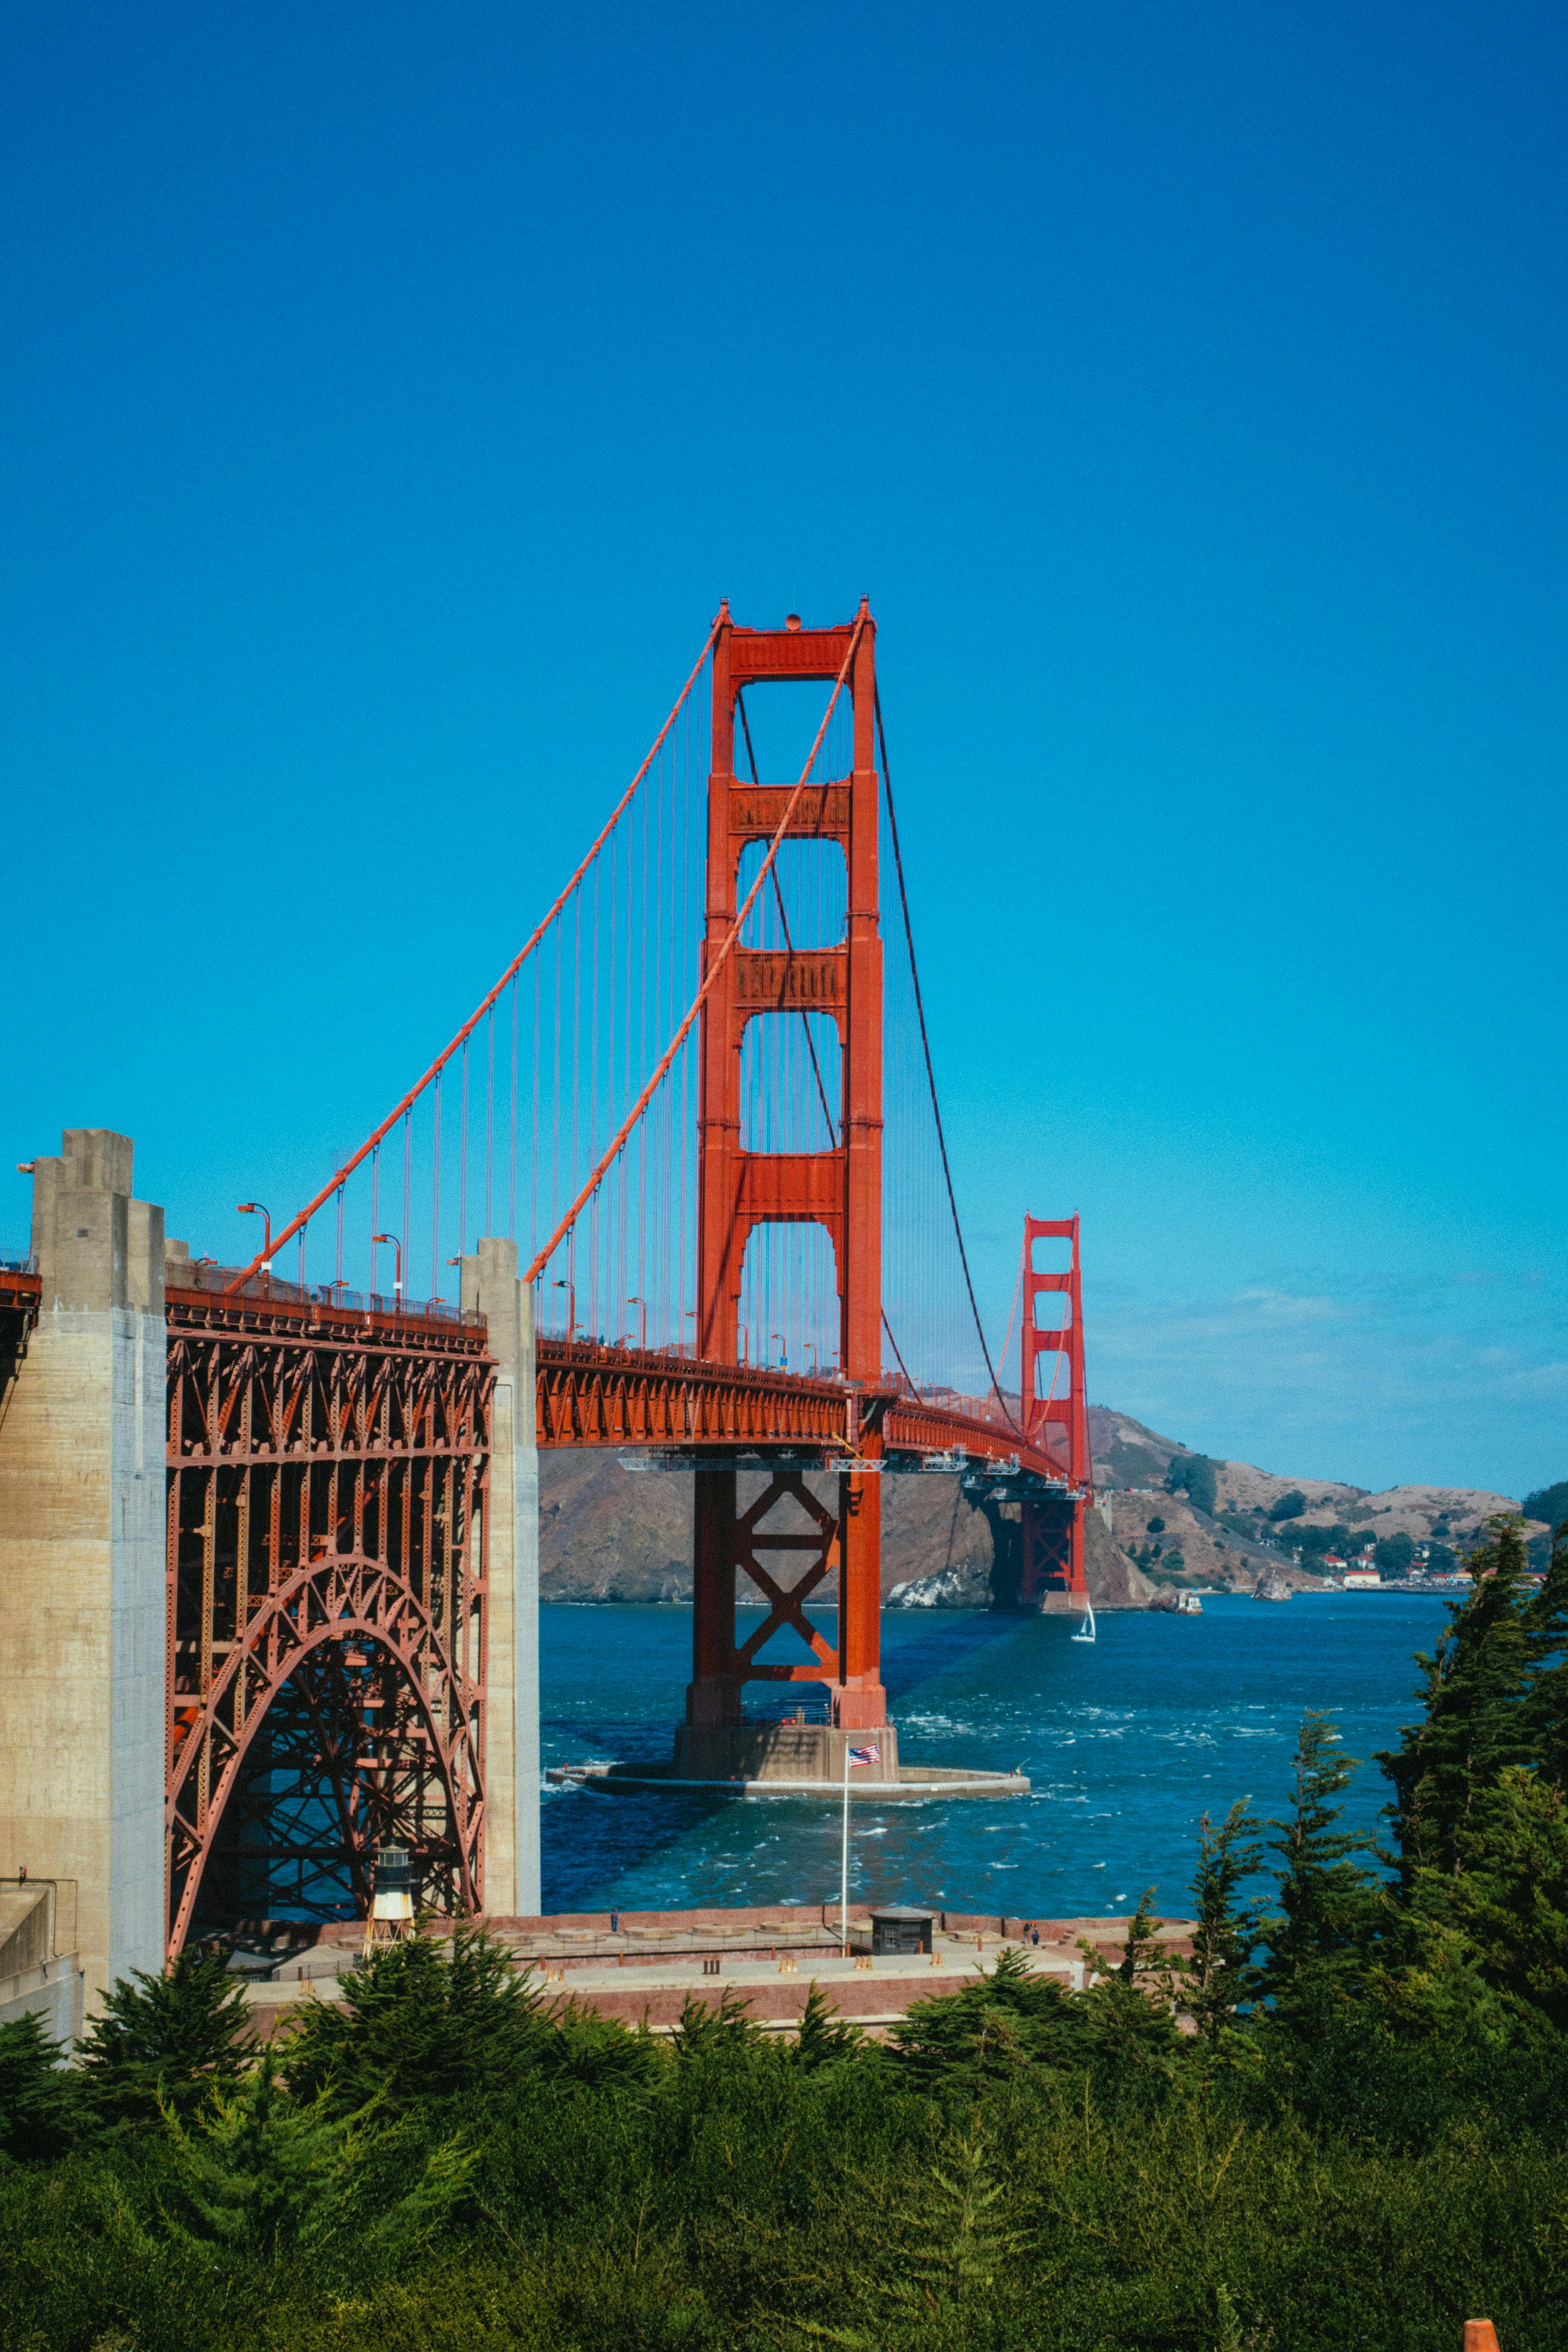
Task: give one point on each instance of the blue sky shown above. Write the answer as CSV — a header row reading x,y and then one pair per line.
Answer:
x,y
390,394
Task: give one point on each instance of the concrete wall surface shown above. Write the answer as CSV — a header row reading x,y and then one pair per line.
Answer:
x,y
511,1860
35,1976
82,1576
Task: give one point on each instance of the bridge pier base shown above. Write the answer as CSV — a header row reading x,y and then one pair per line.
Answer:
x,y
728,1542
779,1751
83,1710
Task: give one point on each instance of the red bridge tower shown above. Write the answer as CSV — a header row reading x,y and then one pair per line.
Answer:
x,y
1057,1422
839,1188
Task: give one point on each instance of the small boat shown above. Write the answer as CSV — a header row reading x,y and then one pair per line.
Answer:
x,y
1086,1631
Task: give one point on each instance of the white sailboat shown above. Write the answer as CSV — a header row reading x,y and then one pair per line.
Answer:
x,y
1086,1631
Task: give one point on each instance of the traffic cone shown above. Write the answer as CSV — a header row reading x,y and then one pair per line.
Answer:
x,y
1480,2335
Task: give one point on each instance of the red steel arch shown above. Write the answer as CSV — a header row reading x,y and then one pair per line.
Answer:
x,y
327,1475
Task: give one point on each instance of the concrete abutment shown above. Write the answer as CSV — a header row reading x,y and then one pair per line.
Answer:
x,y
82,1583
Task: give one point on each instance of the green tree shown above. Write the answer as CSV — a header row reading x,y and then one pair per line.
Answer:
x,y
1546,1643
1318,1539
1475,1723
1394,1554
166,2042
1010,2016
1498,1925
707,2033
420,2022
38,2108
1194,1476
1289,1506
1221,1974
824,2039
1143,1957
1130,2010
1549,1504
1329,1905
260,2175
939,2243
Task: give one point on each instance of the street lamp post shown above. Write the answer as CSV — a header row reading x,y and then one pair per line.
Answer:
x,y
643,1304
783,1359
570,1287
397,1244
256,1208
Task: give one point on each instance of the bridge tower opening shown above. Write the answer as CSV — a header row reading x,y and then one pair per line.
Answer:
x,y
838,1188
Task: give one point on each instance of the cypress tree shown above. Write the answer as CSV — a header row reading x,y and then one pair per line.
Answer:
x,y
825,2039
1476,1723
1220,1974
420,2020
1546,1643
1329,1905
1009,2017
37,2101
257,2174
166,2042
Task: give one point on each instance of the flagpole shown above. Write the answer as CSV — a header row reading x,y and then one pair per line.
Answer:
x,y
844,1862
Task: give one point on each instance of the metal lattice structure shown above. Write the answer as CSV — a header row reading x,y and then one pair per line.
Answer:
x,y
327,1486
678,1086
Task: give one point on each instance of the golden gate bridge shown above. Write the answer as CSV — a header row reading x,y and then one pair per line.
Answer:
x,y
690,1151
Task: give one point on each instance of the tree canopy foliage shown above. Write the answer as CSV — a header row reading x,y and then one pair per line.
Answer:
x,y
1194,1476
1342,2117
1548,1504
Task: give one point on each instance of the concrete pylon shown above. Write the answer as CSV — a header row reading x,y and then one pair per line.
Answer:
x,y
82,1575
489,1282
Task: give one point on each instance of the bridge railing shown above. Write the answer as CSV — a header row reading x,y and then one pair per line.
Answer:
x,y
335,1298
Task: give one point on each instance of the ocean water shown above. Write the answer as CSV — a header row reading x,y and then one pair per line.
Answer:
x,y
1127,1743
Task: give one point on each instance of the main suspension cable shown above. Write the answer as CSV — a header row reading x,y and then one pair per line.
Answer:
x,y
726,946
930,1074
298,1223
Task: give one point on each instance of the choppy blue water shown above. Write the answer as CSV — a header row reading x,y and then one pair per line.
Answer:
x,y
1127,1743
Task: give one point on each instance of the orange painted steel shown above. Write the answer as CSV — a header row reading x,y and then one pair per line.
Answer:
x,y
327,1475
589,1395
717,954
1057,1424
21,1295
21,1290
327,1453
840,1190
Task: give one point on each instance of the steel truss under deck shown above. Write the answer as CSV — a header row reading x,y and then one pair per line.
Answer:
x,y
327,1488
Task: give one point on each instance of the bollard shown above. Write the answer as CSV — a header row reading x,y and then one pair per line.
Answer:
x,y
1480,2335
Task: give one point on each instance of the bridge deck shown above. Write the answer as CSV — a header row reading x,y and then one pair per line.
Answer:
x,y
665,1402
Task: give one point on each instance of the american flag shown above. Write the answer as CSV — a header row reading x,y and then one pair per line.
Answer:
x,y
865,1756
